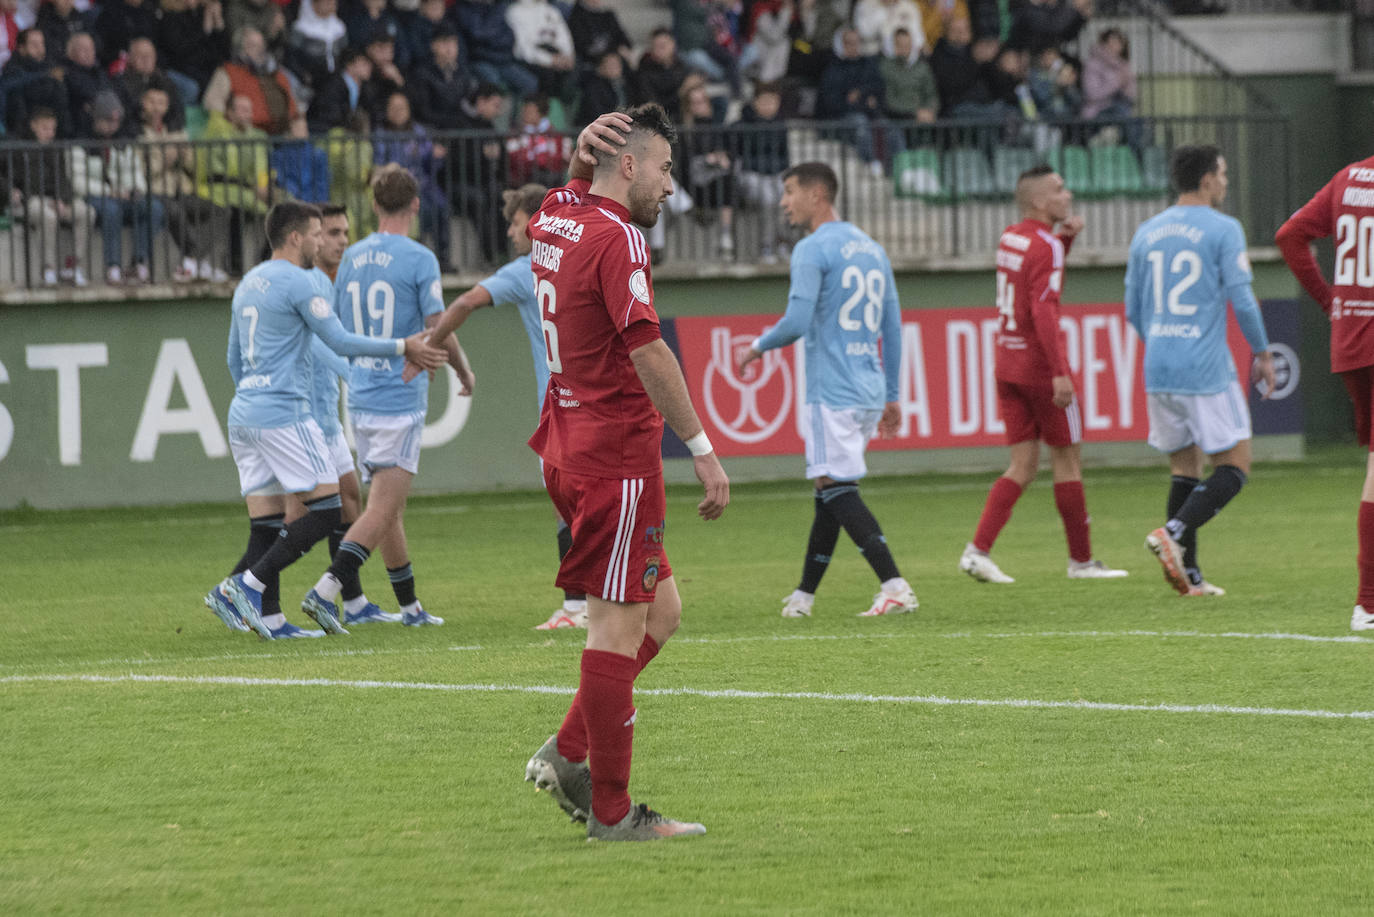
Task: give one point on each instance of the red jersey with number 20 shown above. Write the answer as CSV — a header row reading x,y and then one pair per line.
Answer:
x,y
596,303
1344,209
1030,274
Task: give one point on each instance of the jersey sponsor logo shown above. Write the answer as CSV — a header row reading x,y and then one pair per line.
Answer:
x,y
861,349
319,307
1015,240
373,364
566,399
546,255
559,226
372,256
258,380
761,399
639,286
1361,173
1010,261
1174,330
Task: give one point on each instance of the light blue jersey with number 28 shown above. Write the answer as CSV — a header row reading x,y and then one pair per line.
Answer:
x,y
386,286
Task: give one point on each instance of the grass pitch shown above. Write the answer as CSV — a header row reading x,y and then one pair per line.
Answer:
x,y
1055,746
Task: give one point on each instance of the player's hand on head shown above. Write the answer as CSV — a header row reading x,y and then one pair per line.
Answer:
x,y
606,133
424,354
891,421
717,486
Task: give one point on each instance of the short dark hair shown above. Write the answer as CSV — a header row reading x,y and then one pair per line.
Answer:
x,y
526,197
41,112
393,188
1190,164
765,87
486,90
332,210
539,101
22,37
661,30
349,55
1038,170
649,119
810,174
286,218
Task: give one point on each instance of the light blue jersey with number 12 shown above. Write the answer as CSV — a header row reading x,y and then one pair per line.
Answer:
x,y
386,286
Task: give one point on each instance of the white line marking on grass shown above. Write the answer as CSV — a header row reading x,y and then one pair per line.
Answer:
x,y
934,700
1194,634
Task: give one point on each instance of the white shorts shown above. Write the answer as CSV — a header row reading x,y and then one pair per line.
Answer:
x,y
339,455
388,441
836,439
280,460
1214,423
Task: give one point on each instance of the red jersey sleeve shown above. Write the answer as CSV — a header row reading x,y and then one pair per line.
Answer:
x,y
1044,279
1294,238
623,270
570,193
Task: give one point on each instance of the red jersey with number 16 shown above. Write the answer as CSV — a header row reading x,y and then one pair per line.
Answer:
x,y
1344,209
596,302
1030,274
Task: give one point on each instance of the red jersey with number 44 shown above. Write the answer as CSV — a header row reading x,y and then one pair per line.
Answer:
x,y
1030,274
1343,209
596,303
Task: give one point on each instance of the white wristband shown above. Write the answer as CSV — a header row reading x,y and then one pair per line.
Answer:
x,y
400,347
699,444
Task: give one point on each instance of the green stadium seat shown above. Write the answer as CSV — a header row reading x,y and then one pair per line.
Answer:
x,y
916,173
1007,165
967,174
1073,164
1116,171
1154,170
196,119
558,116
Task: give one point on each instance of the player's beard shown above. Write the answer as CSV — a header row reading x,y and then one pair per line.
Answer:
x,y
643,204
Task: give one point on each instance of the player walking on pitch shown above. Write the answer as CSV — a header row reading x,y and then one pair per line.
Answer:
x,y
1344,208
276,443
1185,265
843,302
613,384
1035,392
514,285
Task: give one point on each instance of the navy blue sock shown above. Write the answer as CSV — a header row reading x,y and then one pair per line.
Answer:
x,y
825,532
263,532
353,586
348,560
1206,500
403,584
300,536
844,503
1180,486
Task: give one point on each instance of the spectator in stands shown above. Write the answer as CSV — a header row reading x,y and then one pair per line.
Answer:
x,y
300,168
421,29
957,62
9,29
603,89
813,37
40,188
350,167
596,30
702,30
232,173
317,40
852,92
910,96
661,74
762,155
1053,84
85,79
59,20
708,167
193,41
253,74
537,153
264,15
141,73
386,78
193,221
1037,24
370,21
543,44
439,87
121,21
936,16
108,173
402,141
490,45
1109,87
28,82
1005,76
877,20
477,171
768,41
346,92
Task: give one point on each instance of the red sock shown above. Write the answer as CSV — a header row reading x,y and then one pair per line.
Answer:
x,y
572,735
1073,509
1003,496
1366,562
607,695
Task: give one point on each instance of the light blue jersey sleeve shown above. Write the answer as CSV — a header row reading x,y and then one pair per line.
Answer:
x,y
235,352
892,338
1135,287
328,359
1236,279
807,270
513,285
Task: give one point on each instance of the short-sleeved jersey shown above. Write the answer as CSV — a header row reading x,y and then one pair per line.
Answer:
x,y
1030,279
1185,265
386,286
843,303
513,285
276,307
596,300
326,368
1344,208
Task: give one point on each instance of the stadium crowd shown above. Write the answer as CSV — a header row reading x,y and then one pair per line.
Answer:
x,y
300,99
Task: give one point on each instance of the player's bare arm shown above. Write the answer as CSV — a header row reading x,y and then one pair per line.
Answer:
x,y
457,358
891,421
1063,390
1070,227
607,134
749,356
661,375
419,351
1262,370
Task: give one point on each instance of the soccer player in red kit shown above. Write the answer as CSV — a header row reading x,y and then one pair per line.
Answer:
x,y
613,383
1345,209
1035,391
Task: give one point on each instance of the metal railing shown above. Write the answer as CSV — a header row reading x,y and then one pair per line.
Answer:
x,y
931,194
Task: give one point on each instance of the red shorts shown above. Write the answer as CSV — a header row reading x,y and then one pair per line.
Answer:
x,y
1029,413
617,534
1359,383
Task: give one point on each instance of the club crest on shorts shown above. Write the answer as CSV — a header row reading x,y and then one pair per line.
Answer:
x,y
650,572
639,286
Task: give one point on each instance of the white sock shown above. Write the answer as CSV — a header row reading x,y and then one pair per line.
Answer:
x,y
353,606
410,609
274,621
329,587
252,581
895,585
577,606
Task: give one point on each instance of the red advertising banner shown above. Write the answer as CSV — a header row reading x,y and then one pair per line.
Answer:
x,y
948,396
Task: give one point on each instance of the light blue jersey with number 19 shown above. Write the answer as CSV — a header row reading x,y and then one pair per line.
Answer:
x,y
386,286
843,299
